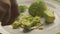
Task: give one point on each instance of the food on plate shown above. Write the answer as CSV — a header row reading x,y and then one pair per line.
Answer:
x,y
37,8
22,8
49,16
16,25
27,22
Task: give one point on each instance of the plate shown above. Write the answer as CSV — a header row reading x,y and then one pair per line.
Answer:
x,y
50,29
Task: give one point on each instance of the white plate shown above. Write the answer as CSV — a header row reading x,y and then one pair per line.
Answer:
x,y
51,29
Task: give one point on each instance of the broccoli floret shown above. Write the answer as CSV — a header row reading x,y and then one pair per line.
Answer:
x,y
16,25
22,8
29,21
35,20
49,16
37,8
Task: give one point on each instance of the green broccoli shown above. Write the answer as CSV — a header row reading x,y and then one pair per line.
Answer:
x,y
49,16
37,8
29,21
35,21
22,8
16,25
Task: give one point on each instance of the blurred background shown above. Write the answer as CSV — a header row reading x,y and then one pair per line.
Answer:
x,y
54,30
